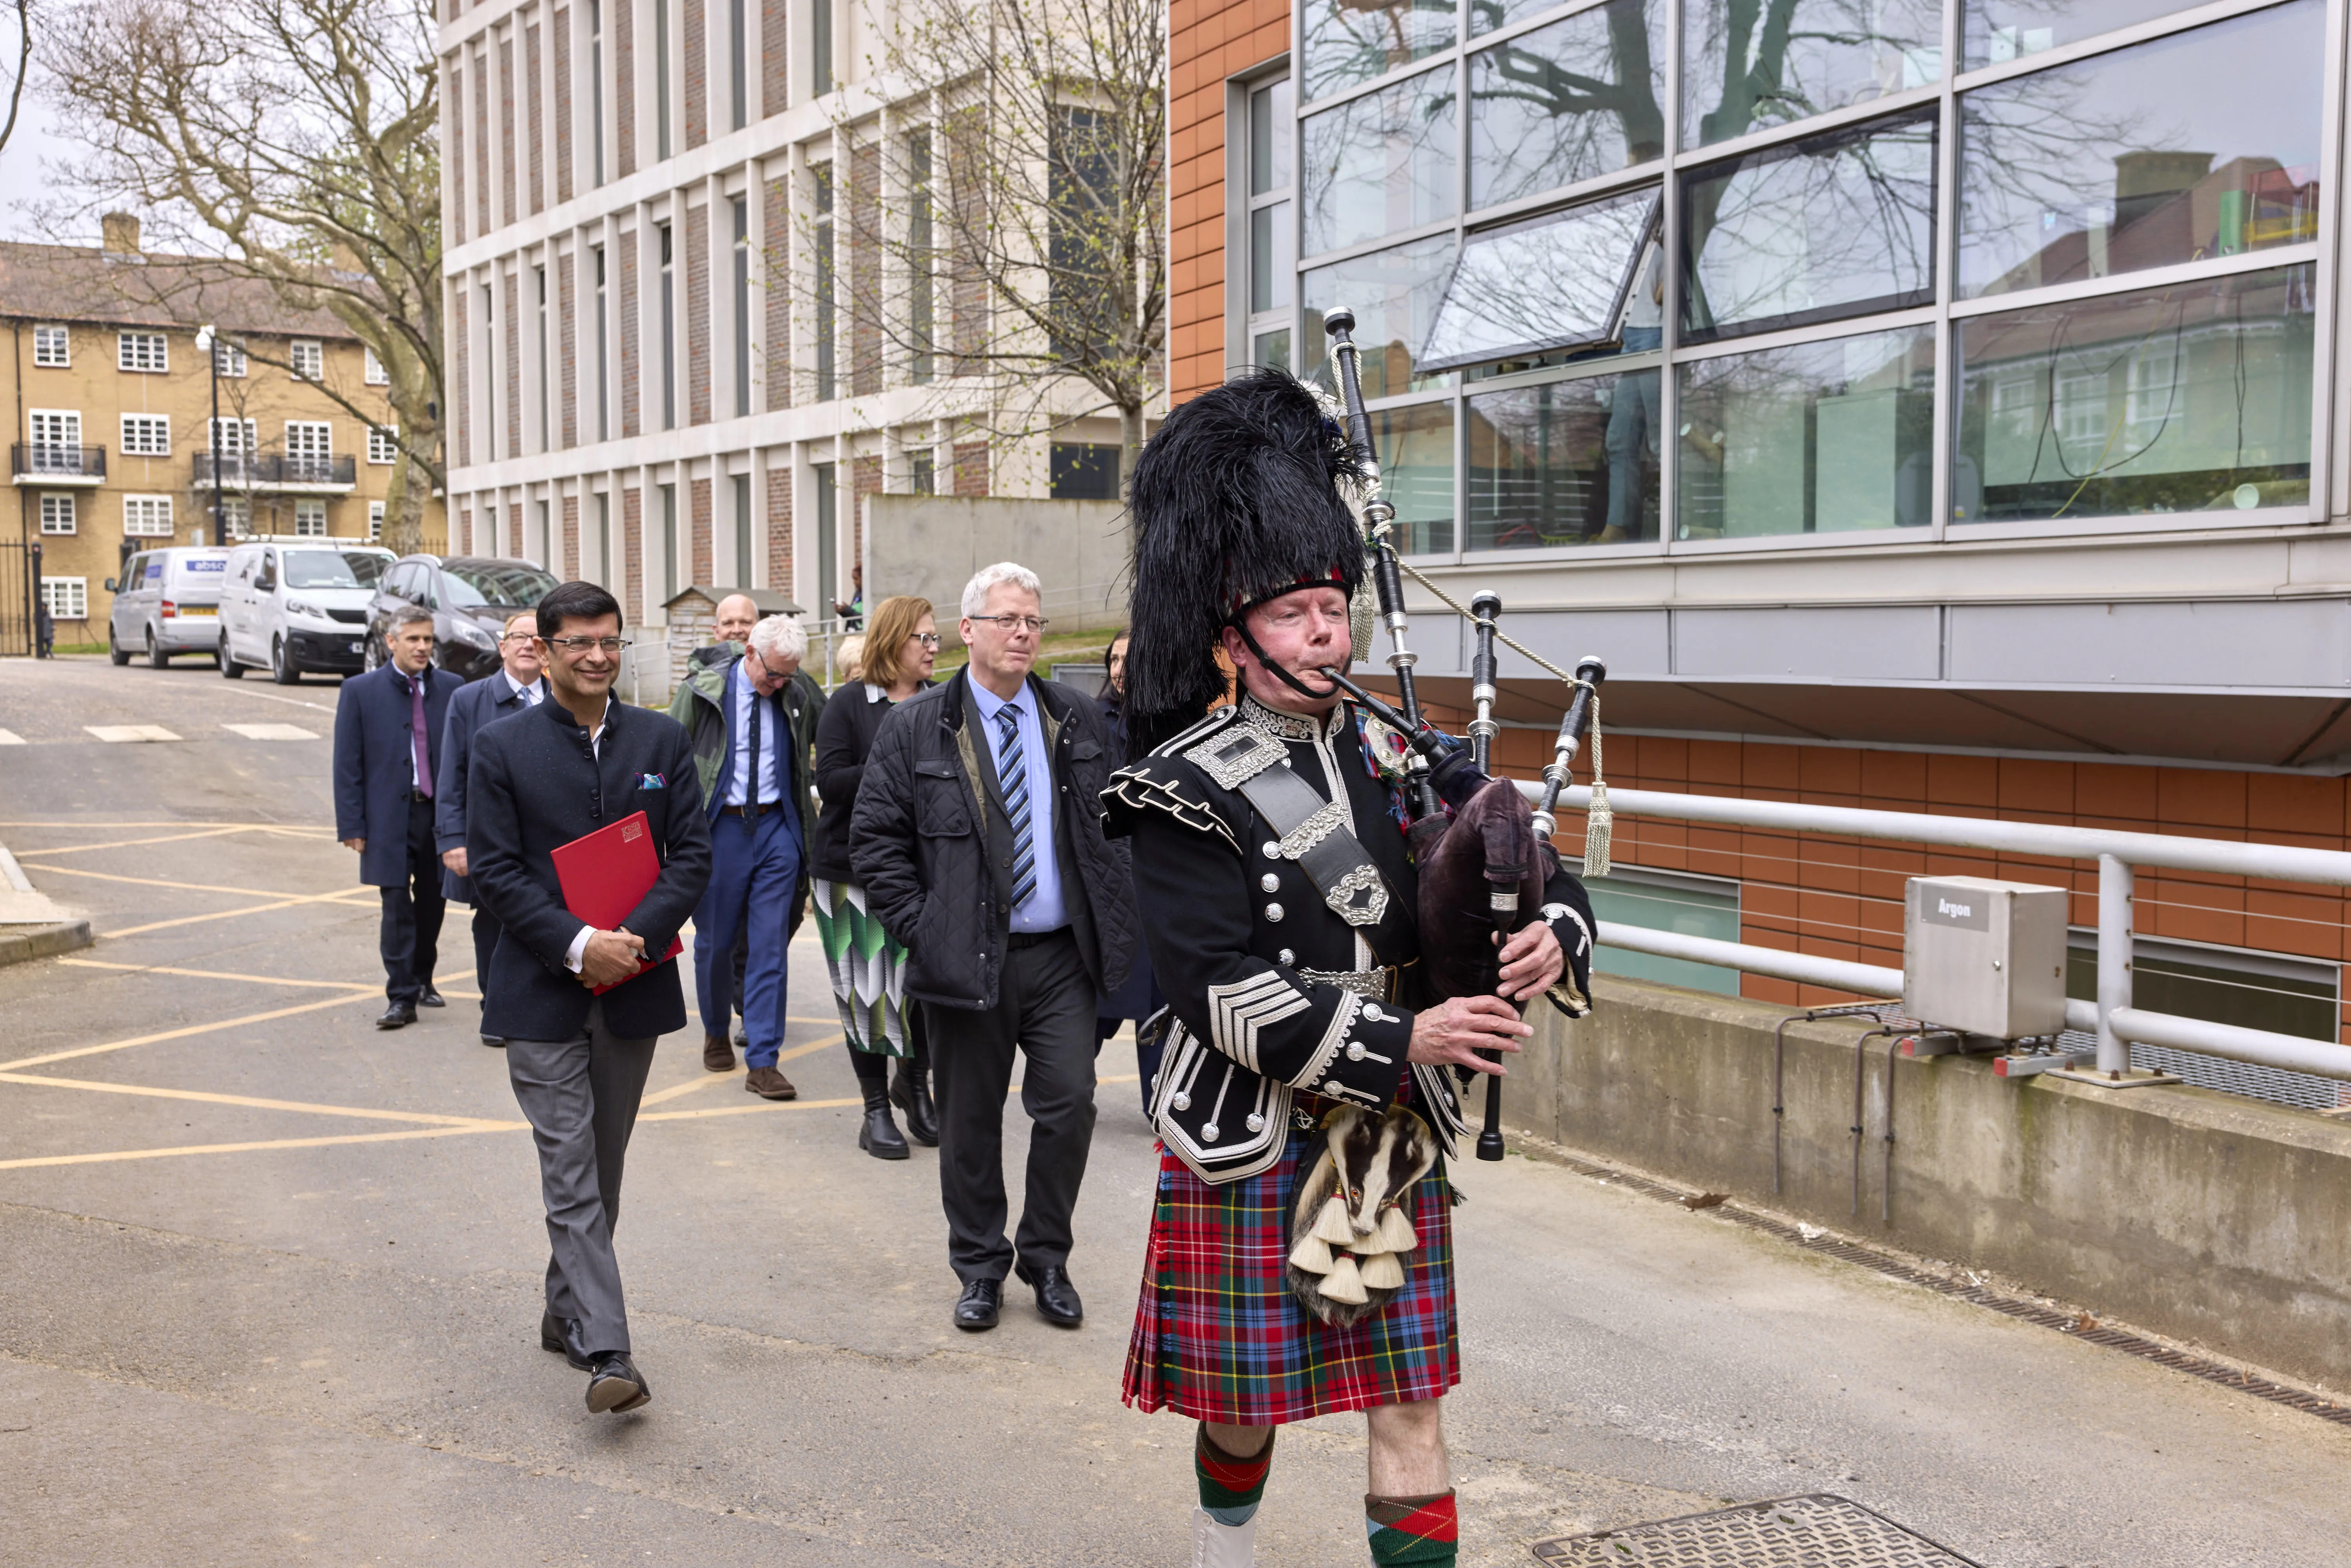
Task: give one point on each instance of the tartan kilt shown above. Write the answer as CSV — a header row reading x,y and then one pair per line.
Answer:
x,y
1218,1336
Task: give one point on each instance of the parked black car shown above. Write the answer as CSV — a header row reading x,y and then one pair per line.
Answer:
x,y
470,597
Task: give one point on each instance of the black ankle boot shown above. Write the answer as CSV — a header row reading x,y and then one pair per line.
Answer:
x,y
910,1091
880,1137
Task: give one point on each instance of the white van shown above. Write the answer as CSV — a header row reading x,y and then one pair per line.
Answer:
x,y
166,601
293,608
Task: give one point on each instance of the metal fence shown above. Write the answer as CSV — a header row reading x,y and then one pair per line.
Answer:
x,y
2110,1026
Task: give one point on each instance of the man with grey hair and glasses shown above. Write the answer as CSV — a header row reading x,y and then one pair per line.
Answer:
x,y
753,720
978,840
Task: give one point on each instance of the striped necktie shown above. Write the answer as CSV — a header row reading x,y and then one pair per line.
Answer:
x,y
1012,773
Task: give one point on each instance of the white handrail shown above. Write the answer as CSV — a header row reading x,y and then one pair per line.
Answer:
x,y
2111,1017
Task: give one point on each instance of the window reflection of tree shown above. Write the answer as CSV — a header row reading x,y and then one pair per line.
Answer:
x,y
1351,41
1399,140
1828,226
1784,60
1590,85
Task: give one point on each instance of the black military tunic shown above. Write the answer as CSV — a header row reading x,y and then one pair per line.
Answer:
x,y
1275,989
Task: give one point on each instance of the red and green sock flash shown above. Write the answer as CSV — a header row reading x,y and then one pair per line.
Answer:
x,y
1231,1488
1421,1530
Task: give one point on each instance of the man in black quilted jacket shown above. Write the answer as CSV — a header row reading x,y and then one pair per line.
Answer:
x,y
977,837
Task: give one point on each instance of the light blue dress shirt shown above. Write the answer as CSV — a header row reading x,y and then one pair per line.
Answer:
x,y
738,778
531,694
1044,910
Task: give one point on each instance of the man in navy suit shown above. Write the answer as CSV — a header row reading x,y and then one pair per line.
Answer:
x,y
578,763
518,684
388,726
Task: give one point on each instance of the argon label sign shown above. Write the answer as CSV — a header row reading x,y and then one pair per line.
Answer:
x,y
1968,908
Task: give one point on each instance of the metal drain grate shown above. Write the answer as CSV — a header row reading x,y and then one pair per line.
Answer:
x,y
2278,1085
1820,1530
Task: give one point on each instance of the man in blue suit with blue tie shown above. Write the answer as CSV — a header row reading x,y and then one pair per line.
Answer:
x,y
752,718
388,726
516,686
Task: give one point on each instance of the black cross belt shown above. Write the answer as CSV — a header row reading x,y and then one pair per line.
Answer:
x,y
1332,857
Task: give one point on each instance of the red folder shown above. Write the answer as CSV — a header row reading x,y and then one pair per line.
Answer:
x,y
605,875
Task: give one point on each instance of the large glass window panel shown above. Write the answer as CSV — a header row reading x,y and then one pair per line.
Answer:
x,y
1351,41
1554,282
2190,399
1815,438
1750,65
1382,164
1393,294
1570,463
1833,225
1269,133
1272,263
2205,143
1580,98
1993,32
1415,449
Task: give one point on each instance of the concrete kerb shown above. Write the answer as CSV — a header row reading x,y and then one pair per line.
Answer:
x,y
43,934
2215,1221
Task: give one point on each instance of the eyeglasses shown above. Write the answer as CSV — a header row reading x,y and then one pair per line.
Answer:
x,y
774,674
1011,623
928,639
519,637
578,647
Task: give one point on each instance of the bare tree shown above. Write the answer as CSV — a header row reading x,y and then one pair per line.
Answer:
x,y
1013,201
24,9
296,142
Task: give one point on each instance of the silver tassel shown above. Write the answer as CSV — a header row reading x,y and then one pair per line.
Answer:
x,y
1599,821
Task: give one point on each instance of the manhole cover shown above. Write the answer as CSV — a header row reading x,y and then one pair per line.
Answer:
x,y
1821,1530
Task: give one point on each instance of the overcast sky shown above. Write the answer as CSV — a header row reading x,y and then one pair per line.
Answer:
x,y
20,168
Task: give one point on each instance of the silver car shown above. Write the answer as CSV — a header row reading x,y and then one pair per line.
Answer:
x,y
166,601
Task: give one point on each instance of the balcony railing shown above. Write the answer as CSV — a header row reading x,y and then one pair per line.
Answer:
x,y
46,460
266,471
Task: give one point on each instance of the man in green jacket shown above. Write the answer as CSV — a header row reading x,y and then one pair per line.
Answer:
x,y
752,718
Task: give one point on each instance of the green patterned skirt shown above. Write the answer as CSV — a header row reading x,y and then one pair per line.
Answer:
x,y
868,969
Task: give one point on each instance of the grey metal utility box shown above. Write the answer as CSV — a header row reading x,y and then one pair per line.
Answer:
x,y
1985,957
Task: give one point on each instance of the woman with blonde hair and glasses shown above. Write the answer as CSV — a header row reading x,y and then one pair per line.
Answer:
x,y
902,643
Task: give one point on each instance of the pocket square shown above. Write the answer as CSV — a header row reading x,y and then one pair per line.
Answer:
x,y
651,781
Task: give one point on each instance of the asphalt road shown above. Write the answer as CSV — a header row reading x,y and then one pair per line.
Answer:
x,y
270,1282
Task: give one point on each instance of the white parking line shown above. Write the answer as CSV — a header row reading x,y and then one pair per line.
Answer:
x,y
271,731
10,738
130,732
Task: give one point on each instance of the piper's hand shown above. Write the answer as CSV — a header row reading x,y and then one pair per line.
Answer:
x,y
612,956
455,859
1451,1033
1532,962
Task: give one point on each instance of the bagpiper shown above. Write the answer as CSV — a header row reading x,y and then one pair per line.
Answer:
x,y
1301,1256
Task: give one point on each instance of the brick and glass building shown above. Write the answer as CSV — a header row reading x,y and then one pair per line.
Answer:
x,y
1930,406
657,376
115,448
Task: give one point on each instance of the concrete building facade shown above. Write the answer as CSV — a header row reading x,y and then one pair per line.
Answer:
x,y
1917,405
650,388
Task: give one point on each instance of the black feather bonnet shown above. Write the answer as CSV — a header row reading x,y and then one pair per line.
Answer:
x,y
1235,501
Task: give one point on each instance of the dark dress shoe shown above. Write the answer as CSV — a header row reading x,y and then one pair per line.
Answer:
x,y
769,1084
431,999
880,1137
911,1091
497,1042
561,1335
615,1384
716,1054
1057,1298
976,1309
742,1038
400,1015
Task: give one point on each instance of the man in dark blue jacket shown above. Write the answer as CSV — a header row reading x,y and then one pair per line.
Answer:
x,y
578,763
516,685
388,726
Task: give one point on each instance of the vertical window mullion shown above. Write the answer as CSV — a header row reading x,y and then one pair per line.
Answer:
x,y
1945,260
1669,199
2330,445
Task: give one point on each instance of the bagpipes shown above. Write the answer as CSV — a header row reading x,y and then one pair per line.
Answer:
x,y
1484,854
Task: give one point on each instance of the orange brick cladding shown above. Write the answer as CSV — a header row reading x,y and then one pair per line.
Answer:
x,y
697,81
1208,42
1842,898
774,77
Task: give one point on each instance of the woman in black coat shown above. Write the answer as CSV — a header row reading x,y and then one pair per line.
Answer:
x,y
868,968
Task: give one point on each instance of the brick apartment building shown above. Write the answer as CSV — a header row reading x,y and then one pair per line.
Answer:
x,y
1927,408
114,450
647,388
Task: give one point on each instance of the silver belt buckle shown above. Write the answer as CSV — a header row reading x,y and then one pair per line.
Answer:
x,y
1374,984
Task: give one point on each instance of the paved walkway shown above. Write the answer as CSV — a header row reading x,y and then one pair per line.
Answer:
x,y
271,1292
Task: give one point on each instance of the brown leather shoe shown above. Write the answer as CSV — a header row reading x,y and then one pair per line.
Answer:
x,y
716,1054
769,1084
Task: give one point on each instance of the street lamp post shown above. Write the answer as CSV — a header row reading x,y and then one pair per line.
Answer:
x,y
208,345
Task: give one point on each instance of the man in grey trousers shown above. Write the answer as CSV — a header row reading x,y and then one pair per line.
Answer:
x,y
580,762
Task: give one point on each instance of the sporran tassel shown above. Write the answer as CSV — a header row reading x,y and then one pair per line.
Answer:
x,y
1599,822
